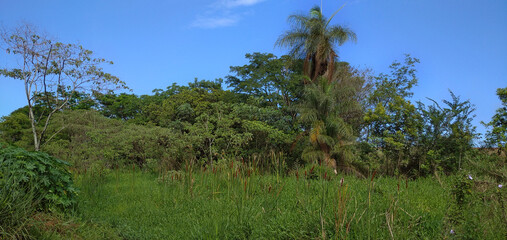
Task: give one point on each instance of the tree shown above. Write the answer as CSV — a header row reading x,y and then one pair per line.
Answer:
x,y
13,128
392,124
52,72
272,81
123,106
497,135
324,109
313,39
217,131
446,135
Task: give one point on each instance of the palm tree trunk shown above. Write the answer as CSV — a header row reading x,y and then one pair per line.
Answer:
x,y
330,67
317,69
306,70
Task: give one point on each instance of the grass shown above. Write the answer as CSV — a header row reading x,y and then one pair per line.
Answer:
x,y
236,203
17,204
21,218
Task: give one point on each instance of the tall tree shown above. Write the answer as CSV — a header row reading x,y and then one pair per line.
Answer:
x,y
392,123
271,81
312,38
52,72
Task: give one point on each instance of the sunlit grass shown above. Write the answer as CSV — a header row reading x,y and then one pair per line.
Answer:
x,y
228,203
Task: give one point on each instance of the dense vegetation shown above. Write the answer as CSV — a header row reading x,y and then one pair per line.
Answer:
x,y
235,202
31,181
269,140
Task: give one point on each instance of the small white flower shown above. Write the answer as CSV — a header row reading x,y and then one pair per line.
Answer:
x,y
452,231
500,185
470,177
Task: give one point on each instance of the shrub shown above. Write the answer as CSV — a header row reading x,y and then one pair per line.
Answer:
x,y
89,140
47,175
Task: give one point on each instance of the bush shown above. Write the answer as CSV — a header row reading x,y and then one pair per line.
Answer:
x,y
92,142
47,175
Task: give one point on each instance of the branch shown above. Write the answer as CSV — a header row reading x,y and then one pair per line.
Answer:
x,y
49,118
45,74
53,135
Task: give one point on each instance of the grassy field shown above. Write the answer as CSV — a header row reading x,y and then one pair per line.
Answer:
x,y
237,203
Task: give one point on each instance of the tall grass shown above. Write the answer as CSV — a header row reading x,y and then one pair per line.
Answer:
x,y
231,200
17,204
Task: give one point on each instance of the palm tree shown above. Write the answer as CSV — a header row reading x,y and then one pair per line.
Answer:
x,y
325,107
312,38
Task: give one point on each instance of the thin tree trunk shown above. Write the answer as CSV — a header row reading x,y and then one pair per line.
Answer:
x,y
36,142
31,116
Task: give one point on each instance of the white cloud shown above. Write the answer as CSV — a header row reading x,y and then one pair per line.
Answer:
x,y
239,3
215,22
221,14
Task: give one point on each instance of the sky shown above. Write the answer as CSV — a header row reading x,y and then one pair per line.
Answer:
x,y
462,44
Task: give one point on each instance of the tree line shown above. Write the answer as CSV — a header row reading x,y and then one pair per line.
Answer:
x,y
306,106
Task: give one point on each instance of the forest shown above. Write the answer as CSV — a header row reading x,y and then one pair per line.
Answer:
x,y
299,146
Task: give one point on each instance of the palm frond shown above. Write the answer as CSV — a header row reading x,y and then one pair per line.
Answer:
x,y
312,155
340,35
332,16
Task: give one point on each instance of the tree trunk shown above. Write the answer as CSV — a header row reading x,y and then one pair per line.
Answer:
x,y
306,70
316,70
330,68
36,142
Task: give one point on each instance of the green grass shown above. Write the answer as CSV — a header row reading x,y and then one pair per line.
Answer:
x,y
220,205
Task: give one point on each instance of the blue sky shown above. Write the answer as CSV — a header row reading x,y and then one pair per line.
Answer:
x,y
462,44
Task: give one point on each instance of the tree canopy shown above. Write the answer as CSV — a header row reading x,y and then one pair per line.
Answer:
x,y
312,38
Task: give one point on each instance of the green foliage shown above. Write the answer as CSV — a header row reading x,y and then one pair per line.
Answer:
x,y
461,189
15,129
89,139
237,130
228,203
393,123
47,175
416,140
206,146
312,38
210,121
477,208
316,172
447,135
217,132
123,106
497,135
485,163
272,81
53,74
324,108
18,202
